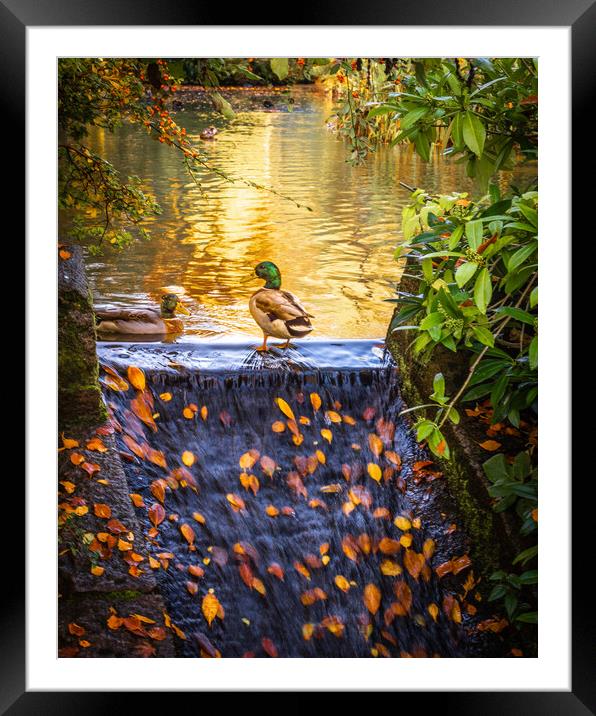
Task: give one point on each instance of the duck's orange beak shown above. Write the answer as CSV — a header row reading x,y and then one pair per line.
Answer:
x,y
181,308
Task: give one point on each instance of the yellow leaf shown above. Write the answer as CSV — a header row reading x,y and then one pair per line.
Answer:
x,y
271,511
327,434
236,502
321,457
315,401
374,471
210,607
403,523
278,426
204,412
166,397
307,631
406,540
428,549
390,568
136,377
333,416
188,458
342,583
248,459
433,610
285,408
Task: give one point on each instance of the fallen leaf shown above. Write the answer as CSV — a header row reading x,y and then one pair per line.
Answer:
x,y
285,408
374,471
315,401
372,598
490,445
136,377
210,607
188,458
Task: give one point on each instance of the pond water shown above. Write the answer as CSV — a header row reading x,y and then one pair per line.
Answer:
x,y
336,258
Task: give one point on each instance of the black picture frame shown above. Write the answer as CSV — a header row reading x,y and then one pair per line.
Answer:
x,y
580,16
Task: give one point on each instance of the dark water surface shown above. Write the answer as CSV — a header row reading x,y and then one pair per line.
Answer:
x,y
311,492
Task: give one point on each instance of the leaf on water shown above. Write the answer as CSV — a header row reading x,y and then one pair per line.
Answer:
x,y
141,407
433,610
102,510
382,513
428,549
333,416
390,568
403,523
374,471
348,419
195,570
156,514
158,490
376,444
96,444
248,459
204,413
268,465
327,435
342,583
278,426
269,647
188,533
413,562
276,570
315,401
301,569
249,482
136,377
350,548
285,408
236,502
369,414
321,457
406,540
272,511
166,397
199,517
389,546
211,607
307,631
188,458
133,446
393,457
76,458
372,598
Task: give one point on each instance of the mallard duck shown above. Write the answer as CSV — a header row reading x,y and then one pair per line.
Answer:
x,y
208,133
277,312
142,321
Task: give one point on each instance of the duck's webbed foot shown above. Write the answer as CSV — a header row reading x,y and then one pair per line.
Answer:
x,y
263,348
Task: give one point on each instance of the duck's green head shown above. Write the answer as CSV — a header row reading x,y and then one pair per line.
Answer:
x,y
269,272
170,304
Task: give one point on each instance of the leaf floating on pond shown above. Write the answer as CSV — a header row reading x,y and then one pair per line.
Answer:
x,y
269,647
376,444
248,459
327,435
188,533
332,416
278,426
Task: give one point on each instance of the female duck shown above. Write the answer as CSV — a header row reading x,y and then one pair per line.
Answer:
x,y
277,312
142,321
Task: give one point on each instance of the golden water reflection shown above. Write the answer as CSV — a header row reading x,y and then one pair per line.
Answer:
x,y
336,258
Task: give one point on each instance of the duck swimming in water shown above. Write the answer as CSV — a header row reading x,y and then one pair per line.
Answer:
x,y
277,312
142,321
208,133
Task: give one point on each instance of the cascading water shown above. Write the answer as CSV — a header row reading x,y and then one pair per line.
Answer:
x,y
286,509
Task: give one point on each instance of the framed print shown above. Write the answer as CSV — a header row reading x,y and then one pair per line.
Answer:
x,y
282,354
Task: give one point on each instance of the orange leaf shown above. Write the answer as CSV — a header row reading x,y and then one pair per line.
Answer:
x,y
102,510
267,644
188,533
210,607
278,426
342,583
315,401
376,444
285,408
236,502
372,598
490,445
333,416
276,570
136,377
248,459
156,514
268,465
